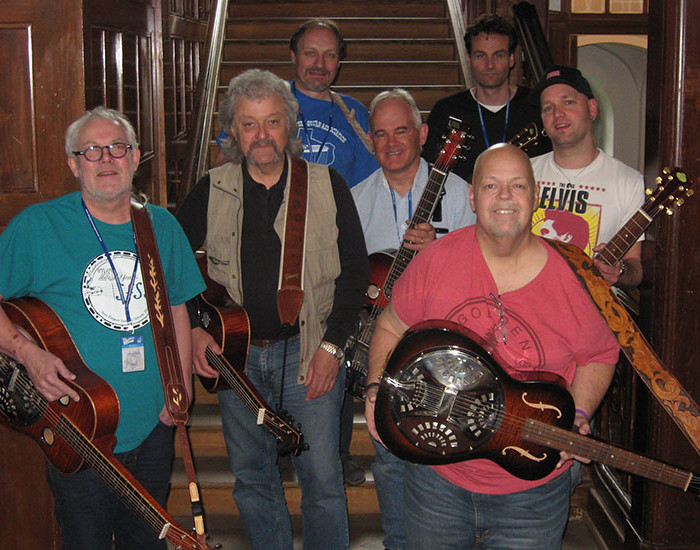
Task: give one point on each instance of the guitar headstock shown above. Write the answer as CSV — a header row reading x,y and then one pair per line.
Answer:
x,y
673,186
526,136
454,146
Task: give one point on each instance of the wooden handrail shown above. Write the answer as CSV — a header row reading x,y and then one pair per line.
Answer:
x,y
205,100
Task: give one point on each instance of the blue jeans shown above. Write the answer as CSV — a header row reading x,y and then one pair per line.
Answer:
x,y
252,452
442,515
389,472
88,512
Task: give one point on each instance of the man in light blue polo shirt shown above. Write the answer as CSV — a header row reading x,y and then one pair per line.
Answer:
x,y
386,201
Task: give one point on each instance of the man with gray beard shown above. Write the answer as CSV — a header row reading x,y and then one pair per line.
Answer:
x,y
239,213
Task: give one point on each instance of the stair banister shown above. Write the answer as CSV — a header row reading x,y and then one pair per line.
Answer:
x,y
456,12
205,101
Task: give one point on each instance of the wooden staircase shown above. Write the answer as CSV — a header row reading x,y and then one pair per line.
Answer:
x,y
391,43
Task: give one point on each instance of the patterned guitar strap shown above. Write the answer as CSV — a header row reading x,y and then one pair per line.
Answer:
x,y
166,349
665,387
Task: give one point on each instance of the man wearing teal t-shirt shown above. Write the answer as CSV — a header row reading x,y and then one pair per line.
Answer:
x,y
77,254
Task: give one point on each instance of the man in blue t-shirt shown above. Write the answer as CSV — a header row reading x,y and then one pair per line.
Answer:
x,y
333,127
77,254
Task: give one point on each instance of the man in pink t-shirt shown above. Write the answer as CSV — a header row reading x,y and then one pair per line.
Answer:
x,y
516,292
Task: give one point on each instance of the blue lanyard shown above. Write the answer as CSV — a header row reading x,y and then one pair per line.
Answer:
x,y
396,215
306,130
129,292
483,126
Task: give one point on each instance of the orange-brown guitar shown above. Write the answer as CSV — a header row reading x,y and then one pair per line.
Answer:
x,y
228,323
74,435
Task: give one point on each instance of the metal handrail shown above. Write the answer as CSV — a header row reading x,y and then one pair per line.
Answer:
x,y
205,102
456,12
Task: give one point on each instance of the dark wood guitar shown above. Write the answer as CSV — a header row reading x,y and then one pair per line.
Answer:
x,y
228,323
74,435
386,268
673,186
444,399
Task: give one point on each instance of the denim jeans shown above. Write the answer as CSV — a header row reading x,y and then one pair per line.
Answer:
x,y
252,452
442,515
389,472
89,512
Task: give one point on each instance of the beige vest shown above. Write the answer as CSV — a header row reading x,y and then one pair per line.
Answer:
x,y
321,256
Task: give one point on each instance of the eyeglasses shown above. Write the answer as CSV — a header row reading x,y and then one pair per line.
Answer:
x,y
94,152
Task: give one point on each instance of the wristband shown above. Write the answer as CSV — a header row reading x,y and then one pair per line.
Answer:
x,y
370,386
584,414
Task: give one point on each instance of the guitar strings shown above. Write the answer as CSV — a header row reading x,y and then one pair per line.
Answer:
x,y
88,451
271,420
558,438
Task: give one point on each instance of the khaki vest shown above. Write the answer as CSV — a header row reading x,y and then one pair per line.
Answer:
x,y
321,256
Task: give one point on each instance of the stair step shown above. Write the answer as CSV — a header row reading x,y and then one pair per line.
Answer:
x,y
353,8
356,27
362,72
361,49
365,531
425,95
216,485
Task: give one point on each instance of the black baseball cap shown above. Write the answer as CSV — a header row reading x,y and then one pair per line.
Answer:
x,y
559,74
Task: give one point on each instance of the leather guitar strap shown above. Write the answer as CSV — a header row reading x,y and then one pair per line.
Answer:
x,y
166,349
665,387
290,293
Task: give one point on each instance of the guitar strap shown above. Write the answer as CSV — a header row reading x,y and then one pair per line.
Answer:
x,y
290,293
350,116
166,348
665,387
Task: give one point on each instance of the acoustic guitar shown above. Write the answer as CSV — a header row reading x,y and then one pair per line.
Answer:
x,y
228,324
386,268
75,435
444,399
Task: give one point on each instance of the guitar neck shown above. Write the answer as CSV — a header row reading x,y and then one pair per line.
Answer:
x,y
121,481
248,395
424,213
623,240
563,440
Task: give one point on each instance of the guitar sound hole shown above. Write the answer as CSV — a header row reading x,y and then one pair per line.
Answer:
x,y
447,400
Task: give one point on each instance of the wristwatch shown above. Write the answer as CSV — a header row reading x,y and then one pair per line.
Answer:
x,y
334,350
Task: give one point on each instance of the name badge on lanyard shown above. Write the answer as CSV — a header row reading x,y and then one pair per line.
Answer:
x,y
133,353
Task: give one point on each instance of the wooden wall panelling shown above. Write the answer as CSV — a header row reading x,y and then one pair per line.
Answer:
x,y
40,94
185,29
123,70
670,518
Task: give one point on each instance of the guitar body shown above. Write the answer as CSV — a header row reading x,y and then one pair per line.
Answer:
x,y
97,412
226,321
74,435
444,399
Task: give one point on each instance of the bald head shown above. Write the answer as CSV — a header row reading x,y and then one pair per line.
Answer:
x,y
503,152
503,192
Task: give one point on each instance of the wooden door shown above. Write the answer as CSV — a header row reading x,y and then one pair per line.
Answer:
x,y
41,92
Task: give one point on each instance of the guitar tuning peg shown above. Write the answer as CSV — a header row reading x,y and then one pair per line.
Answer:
x,y
647,192
658,180
689,193
680,202
669,212
666,170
